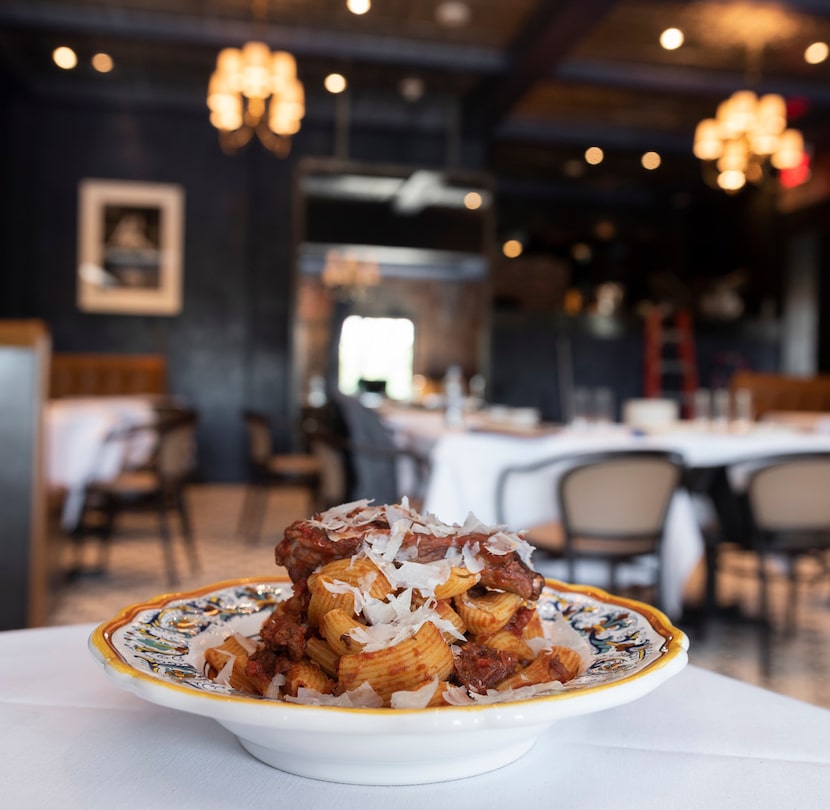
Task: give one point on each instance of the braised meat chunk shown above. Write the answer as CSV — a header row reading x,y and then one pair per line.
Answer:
x,y
479,668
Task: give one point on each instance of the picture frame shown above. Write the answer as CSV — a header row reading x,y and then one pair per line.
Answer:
x,y
130,247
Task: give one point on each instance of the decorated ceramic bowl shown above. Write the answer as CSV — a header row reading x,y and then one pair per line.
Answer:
x,y
155,649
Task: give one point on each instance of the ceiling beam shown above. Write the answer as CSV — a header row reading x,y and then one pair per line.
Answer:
x,y
546,41
583,135
215,32
688,81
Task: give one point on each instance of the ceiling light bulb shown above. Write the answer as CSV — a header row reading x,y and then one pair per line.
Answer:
x,y
790,150
650,161
358,6
594,155
64,57
335,83
512,248
816,53
102,62
411,88
708,144
731,180
671,39
453,13
472,200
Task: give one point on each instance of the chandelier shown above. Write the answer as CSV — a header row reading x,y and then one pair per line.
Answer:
x,y
252,91
748,135
348,276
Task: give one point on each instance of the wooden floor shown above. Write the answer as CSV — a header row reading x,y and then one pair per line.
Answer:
x,y
135,571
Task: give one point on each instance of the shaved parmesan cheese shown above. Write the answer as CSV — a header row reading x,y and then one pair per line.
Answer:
x,y
364,697
396,608
506,542
416,698
425,577
429,524
522,693
273,690
472,525
457,696
472,562
224,674
361,597
559,632
246,643
381,636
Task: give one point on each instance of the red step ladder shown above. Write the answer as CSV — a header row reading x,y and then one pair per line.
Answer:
x,y
670,361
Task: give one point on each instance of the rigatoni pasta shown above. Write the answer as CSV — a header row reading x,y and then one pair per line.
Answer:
x,y
391,608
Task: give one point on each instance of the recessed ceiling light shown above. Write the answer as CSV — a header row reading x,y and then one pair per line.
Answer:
x,y
452,13
64,57
335,83
358,6
671,39
512,248
650,160
472,200
580,252
411,88
102,62
605,229
594,155
816,53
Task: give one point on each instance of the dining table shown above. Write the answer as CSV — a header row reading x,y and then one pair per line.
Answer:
x,y
467,460
70,738
82,444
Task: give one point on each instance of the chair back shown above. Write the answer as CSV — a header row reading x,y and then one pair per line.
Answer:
x,y
176,455
260,443
619,494
372,453
791,493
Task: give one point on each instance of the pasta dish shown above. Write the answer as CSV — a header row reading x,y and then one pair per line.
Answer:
x,y
394,609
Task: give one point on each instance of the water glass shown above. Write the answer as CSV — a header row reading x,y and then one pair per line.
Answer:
x,y
603,410
702,406
720,406
742,407
580,407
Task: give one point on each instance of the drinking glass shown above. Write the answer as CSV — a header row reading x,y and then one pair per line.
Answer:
x,y
720,405
580,407
703,406
742,402
603,411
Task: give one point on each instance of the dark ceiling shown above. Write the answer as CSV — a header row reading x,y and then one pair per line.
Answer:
x,y
538,81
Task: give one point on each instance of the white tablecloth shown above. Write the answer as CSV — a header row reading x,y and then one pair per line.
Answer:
x,y
70,739
466,467
76,452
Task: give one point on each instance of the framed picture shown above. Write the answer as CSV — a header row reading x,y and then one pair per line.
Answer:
x,y
130,238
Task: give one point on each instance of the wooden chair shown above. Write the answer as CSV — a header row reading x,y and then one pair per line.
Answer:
x,y
781,392
158,485
612,507
269,469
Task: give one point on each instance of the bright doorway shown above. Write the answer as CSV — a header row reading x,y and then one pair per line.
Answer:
x,y
377,349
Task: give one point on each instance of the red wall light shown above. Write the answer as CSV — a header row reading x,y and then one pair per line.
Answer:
x,y
790,178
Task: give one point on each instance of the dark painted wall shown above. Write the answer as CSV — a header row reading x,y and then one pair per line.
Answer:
x,y
230,346
236,268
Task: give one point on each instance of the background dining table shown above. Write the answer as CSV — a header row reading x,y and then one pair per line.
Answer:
x,y
78,446
465,464
69,738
